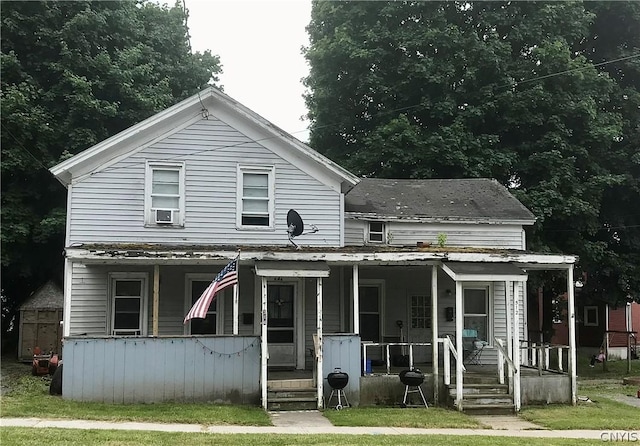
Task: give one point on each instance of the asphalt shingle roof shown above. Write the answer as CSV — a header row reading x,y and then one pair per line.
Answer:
x,y
456,199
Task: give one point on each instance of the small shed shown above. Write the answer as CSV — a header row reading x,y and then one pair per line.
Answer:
x,y
40,318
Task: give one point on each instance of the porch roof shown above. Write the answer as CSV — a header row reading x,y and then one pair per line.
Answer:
x,y
149,254
292,269
475,271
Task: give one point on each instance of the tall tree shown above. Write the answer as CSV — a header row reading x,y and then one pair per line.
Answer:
x,y
73,74
523,92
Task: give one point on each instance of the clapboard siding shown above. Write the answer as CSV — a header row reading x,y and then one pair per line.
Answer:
x,y
108,206
152,370
479,235
353,232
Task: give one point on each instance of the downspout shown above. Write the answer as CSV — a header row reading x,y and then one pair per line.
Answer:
x,y
320,374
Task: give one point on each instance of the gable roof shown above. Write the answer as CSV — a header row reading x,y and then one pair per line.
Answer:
x,y
199,106
477,199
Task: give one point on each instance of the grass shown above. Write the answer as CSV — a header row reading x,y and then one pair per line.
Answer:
x,y
616,369
29,396
394,417
601,414
71,437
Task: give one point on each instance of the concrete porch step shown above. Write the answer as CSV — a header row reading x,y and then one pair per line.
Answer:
x,y
298,403
487,399
488,409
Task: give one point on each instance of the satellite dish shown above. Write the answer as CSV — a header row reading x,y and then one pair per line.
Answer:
x,y
295,226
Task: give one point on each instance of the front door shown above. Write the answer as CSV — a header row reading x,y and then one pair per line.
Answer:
x,y
420,325
281,324
476,315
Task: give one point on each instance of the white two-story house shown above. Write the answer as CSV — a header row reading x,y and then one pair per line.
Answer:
x,y
385,274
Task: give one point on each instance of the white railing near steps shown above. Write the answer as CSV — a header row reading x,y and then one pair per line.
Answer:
x,y
385,346
503,356
449,349
538,355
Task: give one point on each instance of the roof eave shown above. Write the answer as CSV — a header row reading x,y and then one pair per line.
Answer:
x,y
449,219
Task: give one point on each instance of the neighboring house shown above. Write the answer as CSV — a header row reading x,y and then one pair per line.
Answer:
x,y
600,325
156,211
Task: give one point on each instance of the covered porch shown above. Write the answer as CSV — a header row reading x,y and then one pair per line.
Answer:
x,y
312,310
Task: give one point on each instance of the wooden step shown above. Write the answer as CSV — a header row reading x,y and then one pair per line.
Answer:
x,y
480,388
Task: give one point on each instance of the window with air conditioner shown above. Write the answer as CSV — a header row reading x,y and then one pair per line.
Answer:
x,y
255,197
164,197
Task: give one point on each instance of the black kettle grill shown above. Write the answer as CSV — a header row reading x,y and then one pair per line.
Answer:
x,y
412,378
338,380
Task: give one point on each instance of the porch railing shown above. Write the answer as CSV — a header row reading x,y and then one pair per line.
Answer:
x,y
539,356
385,346
449,349
503,356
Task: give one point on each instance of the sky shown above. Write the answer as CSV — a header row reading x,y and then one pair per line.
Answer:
x,y
259,43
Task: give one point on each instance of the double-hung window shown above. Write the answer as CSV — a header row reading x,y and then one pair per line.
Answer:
x,y
128,304
164,197
255,197
213,322
376,232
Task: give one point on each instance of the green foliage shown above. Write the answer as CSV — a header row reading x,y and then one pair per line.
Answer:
x,y
509,90
73,74
442,239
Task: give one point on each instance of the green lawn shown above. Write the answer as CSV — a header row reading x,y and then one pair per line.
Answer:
x,y
601,414
71,437
29,397
396,417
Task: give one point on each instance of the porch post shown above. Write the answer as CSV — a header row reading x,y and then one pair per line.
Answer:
x,y
434,332
156,298
516,344
356,299
508,299
264,353
66,309
320,374
236,314
459,324
572,333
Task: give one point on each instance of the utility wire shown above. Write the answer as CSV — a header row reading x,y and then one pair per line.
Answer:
x,y
20,146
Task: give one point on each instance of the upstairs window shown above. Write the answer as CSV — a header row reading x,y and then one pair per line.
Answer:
x,y
164,196
255,197
376,232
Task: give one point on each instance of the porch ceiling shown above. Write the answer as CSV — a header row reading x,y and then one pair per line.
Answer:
x,y
484,272
292,269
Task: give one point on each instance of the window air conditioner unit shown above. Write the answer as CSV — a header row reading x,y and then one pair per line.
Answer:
x,y
164,216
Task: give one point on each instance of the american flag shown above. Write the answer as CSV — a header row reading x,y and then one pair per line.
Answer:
x,y
228,276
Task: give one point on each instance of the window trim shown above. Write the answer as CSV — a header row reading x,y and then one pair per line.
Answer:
x,y
382,233
144,299
149,219
203,277
488,287
270,172
586,310
380,285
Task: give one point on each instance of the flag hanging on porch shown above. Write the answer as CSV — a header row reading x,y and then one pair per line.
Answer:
x,y
227,277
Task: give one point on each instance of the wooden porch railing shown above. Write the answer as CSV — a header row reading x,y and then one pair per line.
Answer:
x,y
385,346
503,356
536,355
449,349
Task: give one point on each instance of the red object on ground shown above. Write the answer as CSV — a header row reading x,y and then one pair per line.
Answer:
x,y
43,364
